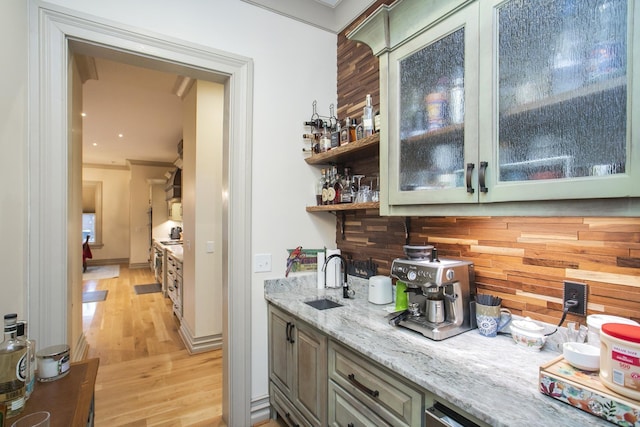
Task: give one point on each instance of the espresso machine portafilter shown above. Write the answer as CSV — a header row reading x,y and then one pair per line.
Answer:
x,y
441,295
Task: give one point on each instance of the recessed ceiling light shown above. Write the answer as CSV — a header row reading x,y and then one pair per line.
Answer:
x,y
95,144
120,135
83,114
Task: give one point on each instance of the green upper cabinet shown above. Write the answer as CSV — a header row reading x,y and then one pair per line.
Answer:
x,y
522,104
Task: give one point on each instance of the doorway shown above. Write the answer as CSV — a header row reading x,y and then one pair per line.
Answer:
x,y
50,307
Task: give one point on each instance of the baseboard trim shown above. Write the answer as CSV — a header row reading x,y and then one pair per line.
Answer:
x,y
139,265
109,261
260,410
199,344
81,349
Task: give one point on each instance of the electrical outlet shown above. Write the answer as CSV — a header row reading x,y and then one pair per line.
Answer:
x,y
578,292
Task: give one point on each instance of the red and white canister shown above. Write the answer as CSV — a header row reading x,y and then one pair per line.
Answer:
x,y
620,358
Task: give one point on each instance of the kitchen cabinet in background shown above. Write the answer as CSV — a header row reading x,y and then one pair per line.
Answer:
x,y
174,283
523,106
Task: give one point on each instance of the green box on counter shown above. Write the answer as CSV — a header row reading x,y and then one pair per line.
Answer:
x,y
585,391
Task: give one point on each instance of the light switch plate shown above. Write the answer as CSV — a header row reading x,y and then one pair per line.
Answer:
x,y
261,263
210,247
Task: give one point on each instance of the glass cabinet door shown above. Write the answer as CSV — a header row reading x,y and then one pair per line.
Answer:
x,y
428,126
561,99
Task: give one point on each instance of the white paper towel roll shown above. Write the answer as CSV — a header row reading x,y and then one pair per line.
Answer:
x,y
333,269
320,272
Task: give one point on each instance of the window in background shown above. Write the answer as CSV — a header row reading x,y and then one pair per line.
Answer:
x,y
92,212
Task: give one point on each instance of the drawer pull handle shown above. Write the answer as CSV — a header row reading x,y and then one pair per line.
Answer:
x,y
289,418
372,393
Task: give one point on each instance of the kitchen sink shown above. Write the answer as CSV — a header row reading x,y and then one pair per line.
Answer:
x,y
323,304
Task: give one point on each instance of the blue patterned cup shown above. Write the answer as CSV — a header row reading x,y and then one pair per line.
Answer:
x,y
491,319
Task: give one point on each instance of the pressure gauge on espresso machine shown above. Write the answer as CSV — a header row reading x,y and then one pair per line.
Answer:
x,y
450,274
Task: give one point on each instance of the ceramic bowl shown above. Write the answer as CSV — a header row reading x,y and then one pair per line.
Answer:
x,y
527,333
582,356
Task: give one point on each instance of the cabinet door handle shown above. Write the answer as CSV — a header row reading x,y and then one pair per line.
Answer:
x,y
470,167
362,387
288,331
291,333
288,416
482,177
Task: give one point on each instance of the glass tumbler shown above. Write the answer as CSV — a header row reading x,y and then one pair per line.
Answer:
x,y
37,419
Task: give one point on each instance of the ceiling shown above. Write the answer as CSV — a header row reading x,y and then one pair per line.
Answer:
x,y
134,113
131,113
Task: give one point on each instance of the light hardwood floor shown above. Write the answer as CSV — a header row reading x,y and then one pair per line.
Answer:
x,y
146,376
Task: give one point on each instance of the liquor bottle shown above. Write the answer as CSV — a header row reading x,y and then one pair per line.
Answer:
x,y
335,135
313,140
337,186
13,366
346,196
352,130
345,132
30,380
325,140
316,123
359,131
331,191
325,187
320,185
367,117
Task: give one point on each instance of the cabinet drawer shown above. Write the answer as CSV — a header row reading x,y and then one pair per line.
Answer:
x,y
345,410
285,408
397,402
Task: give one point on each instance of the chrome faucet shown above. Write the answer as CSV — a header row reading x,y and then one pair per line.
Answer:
x,y
345,283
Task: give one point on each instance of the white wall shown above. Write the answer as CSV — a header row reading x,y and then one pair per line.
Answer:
x,y
138,211
202,206
294,64
13,173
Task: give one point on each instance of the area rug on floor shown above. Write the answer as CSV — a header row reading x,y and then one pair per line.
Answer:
x,y
94,296
96,272
147,289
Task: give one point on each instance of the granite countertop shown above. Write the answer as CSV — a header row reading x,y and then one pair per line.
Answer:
x,y
493,379
176,250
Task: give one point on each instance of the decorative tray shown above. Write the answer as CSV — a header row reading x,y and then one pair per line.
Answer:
x,y
585,391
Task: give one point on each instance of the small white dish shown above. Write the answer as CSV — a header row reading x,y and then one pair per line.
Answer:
x,y
582,356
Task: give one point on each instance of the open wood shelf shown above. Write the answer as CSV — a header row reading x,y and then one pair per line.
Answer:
x,y
344,207
357,149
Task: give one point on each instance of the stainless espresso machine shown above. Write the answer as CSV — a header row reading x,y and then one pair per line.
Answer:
x,y
441,296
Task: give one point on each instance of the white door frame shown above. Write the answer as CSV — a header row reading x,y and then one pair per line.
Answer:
x,y
50,33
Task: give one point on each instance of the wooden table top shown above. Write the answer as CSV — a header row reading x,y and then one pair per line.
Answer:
x,y
67,399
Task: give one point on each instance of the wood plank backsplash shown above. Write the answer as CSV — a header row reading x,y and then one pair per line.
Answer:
x,y
524,260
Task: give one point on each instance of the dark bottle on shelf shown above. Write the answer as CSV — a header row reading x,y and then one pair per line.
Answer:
x,y
316,123
337,187
345,132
